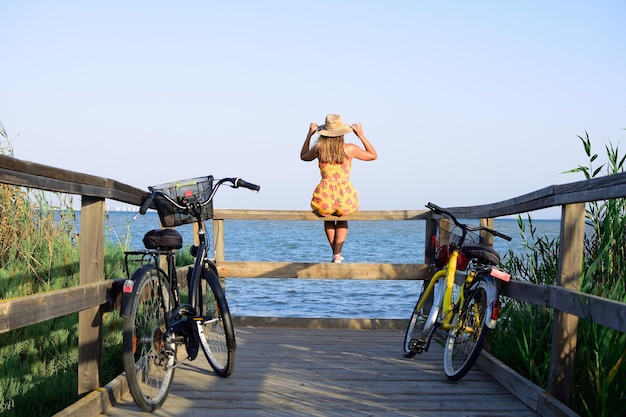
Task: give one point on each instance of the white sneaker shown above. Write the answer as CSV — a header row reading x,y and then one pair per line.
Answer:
x,y
337,259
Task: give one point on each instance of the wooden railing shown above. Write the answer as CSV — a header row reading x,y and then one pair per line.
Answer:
x,y
95,296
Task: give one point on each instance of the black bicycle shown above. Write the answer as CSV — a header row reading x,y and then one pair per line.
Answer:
x,y
157,318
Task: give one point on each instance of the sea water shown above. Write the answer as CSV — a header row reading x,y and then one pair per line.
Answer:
x,y
394,242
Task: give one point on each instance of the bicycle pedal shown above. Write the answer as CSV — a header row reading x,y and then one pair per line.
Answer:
x,y
468,329
202,319
417,345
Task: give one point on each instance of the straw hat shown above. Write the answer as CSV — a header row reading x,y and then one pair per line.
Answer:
x,y
334,126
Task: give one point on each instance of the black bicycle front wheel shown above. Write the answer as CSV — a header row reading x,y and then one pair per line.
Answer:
x,y
148,357
423,318
215,329
466,339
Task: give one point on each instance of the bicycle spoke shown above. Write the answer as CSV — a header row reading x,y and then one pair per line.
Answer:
x,y
466,339
215,330
148,359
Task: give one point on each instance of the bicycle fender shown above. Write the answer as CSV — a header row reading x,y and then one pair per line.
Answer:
x,y
128,290
492,296
213,279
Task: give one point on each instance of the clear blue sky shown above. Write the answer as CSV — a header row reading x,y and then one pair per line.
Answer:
x,y
484,97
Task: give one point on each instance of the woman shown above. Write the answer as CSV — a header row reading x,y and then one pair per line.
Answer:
x,y
335,195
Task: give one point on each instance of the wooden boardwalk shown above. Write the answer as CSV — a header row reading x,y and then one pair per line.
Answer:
x,y
330,372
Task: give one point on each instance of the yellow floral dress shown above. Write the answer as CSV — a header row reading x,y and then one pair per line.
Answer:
x,y
335,195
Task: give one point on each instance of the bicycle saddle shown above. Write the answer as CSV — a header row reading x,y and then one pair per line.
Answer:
x,y
484,254
166,239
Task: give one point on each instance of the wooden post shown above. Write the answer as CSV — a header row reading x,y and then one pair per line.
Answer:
x,y
218,244
218,239
565,327
445,227
196,239
487,238
431,226
91,270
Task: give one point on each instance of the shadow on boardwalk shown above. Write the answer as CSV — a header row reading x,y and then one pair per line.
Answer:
x,y
310,372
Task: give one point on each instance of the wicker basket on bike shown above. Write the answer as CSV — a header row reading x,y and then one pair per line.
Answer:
x,y
195,190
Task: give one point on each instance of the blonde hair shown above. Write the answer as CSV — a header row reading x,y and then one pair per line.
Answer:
x,y
330,149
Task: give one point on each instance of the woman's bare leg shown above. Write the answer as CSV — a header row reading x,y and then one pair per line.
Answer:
x,y
329,229
341,233
336,232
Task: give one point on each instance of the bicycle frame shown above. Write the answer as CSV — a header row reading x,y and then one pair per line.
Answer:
x,y
200,259
446,301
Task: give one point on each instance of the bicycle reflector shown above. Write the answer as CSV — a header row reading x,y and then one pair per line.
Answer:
x,y
128,286
495,311
501,275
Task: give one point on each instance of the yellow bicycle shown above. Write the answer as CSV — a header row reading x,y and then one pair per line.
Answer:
x,y
463,312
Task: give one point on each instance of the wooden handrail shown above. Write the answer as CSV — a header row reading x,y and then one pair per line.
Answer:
x,y
29,174
602,188
95,296
295,215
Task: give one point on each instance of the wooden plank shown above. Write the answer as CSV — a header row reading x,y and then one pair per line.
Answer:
x,y
29,174
98,400
321,323
534,396
601,188
25,311
298,372
589,307
294,215
321,270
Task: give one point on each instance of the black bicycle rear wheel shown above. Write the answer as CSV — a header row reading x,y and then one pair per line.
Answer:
x,y
215,330
148,356
471,329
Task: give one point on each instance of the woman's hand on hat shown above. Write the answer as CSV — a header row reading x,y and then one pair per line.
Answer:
x,y
357,128
313,128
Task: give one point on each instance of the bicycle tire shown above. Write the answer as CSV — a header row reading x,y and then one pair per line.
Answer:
x,y
421,324
148,358
466,339
215,331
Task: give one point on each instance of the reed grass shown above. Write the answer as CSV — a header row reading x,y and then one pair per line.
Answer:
x,y
39,252
523,337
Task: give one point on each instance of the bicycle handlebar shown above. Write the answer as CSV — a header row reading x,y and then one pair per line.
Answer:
x,y
147,202
238,182
438,210
235,183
